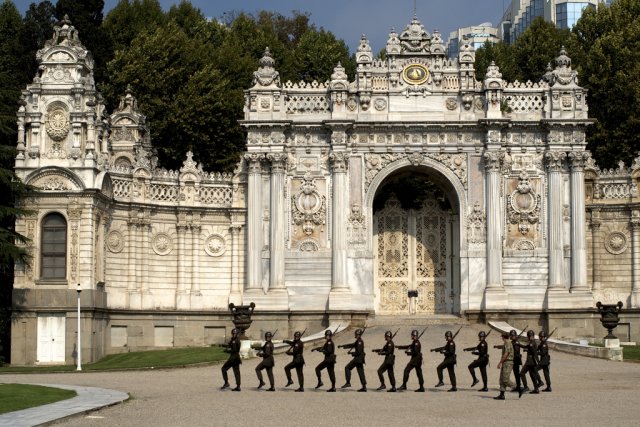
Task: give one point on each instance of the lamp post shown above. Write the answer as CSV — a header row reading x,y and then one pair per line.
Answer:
x,y
79,359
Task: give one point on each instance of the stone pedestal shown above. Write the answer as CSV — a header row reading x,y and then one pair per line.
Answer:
x,y
147,301
276,299
340,299
612,343
635,299
561,298
135,300
183,301
496,298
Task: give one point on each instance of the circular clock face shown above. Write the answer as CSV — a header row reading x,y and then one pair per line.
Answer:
x,y
415,74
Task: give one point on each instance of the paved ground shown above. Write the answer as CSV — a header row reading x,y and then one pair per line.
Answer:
x,y
585,391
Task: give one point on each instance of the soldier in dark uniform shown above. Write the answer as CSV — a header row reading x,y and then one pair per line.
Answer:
x,y
482,351
329,362
357,362
266,352
234,361
517,360
387,364
449,362
415,351
296,350
545,359
530,364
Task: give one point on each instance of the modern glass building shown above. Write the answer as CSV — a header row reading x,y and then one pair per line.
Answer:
x,y
475,36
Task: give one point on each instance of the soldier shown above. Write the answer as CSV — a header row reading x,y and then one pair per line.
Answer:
x,y
545,359
415,351
357,362
505,365
449,362
296,349
266,352
234,361
517,360
482,351
530,364
328,349
387,364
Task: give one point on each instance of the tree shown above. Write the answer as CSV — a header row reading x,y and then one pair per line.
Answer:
x,y
38,28
606,53
318,53
129,18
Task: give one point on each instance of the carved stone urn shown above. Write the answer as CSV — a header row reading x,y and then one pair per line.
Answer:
x,y
242,317
609,316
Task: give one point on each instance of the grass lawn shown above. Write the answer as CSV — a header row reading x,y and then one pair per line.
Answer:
x,y
136,360
14,397
631,352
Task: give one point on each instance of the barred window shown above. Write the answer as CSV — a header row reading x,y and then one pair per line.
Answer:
x,y
54,247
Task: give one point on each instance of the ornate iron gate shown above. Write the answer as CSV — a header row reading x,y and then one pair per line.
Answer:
x,y
412,255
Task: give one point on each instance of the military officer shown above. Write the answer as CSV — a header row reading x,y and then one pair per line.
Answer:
x,y
358,361
415,351
233,362
449,362
329,362
296,349
266,352
545,359
505,365
530,363
387,364
482,351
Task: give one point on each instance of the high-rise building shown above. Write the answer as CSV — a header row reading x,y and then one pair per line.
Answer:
x,y
475,36
520,14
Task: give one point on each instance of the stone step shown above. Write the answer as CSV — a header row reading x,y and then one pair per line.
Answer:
x,y
416,320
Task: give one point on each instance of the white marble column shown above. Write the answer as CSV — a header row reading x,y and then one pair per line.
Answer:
x,y
596,244
147,300
277,231
132,287
182,279
254,222
493,162
339,280
235,295
555,161
195,256
635,258
578,222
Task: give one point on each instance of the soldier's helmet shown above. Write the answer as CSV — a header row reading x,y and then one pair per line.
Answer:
x,y
328,333
513,333
530,333
297,335
542,334
448,334
268,335
388,334
414,333
358,332
482,334
234,331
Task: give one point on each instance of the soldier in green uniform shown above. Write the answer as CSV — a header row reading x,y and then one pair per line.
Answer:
x,y
357,362
530,364
387,364
296,349
329,362
482,351
505,365
415,351
449,362
266,352
233,362
545,359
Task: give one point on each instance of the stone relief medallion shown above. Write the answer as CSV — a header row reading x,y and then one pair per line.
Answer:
x,y
115,241
616,243
309,245
57,125
162,244
309,206
380,104
352,104
215,245
415,74
524,245
523,205
451,104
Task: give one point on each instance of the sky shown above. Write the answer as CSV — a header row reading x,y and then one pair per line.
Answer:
x,y
349,19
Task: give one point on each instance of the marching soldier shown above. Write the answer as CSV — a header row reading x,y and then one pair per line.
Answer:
x,y
233,362
449,362
482,351
328,349
505,365
357,362
530,364
545,359
387,364
517,360
266,352
296,349
415,351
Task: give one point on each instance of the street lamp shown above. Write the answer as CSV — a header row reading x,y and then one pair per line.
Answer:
x,y
79,359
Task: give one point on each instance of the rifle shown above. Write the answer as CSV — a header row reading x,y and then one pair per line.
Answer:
x,y
549,336
457,332
422,333
274,334
395,333
522,332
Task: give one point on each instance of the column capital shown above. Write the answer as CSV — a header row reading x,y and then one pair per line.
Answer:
x,y
339,161
493,160
278,162
578,160
555,160
235,229
635,224
254,162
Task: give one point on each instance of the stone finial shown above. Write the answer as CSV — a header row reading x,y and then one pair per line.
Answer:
x,y
493,72
548,75
364,44
563,74
393,43
128,102
363,54
563,61
339,74
65,34
415,38
266,74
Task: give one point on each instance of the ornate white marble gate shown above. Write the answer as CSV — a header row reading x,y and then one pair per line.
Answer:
x,y
413,248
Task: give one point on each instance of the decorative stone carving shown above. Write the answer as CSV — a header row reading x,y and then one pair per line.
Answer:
x,y
493,160
414,38
524,245
57,124
278,162
339,161
451,104
308,245
523,205
477,225
357,226
555,160
215,245
309,207
162,244
55,184
380,104
266,74
579,160
616,242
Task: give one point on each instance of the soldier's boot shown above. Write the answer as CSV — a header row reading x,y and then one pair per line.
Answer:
x,y
525,389
535,391
289,382
454,388
403,387
236,389
420,390
319,383
548,389
520,391
485,388
475,381
382,387
225,386
261,384
346,385
392,389
440,384
331,390
363,389
500,396
299,390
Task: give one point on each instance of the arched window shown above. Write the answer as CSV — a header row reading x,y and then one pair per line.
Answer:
x,y
54,248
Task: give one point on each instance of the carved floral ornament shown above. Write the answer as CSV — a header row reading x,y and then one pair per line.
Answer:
x,y
616,242
57,124
162,244
215,245
476,225
555,160
523,205
115,241
309,207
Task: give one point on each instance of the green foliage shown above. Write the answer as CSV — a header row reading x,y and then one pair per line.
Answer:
x,y
37,28
15,397
318,53
130,18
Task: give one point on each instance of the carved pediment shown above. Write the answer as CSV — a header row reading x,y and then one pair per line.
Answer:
x,y
55,180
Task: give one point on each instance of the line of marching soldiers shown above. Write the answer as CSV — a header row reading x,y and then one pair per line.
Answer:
x,y
537,357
